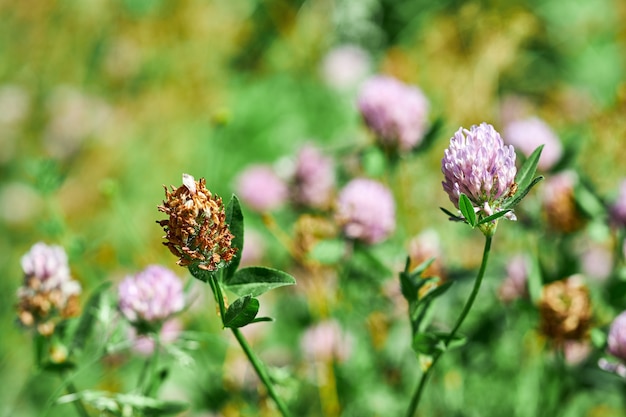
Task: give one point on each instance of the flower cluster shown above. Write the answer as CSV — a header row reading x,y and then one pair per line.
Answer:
x,y
395,112
151,296
618,209
196,230
314,178
48,291
528,134
616,341
261,189
366,210
479,165
326,341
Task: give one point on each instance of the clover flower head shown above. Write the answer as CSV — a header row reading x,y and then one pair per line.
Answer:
x,y
196,229
144,344
478,164
515,285
261,189
618,209
565,309
366,210
48,291
345,66
326,341
314,178
616,341
151,296
558,203
528,134
395,112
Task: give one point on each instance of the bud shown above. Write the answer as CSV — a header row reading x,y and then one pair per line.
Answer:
x,y
196,230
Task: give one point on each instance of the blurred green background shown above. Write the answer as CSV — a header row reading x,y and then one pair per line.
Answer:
x,y
103,101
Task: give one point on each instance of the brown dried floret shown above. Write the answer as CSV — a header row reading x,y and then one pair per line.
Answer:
x,y
565,309
196,229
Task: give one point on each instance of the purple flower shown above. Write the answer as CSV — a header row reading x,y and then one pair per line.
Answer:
x,y
478,164
345,66
527,134
48,290
144,343
261,189
515,286
618,209
395,112
326,341
314,178
616,342
151,296
366,210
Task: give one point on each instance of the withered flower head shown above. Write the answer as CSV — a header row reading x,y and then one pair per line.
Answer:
x,y
565,310
49,293
196,230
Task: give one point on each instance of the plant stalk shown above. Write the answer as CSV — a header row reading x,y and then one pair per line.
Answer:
x,y
468,305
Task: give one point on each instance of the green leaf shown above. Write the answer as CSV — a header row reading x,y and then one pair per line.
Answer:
x,y
261,319
527,171
241,312
117,404
467,209
509,204
436,291
429,343
452,217
328,252
88,317
494,216
199,273
256,280
234,219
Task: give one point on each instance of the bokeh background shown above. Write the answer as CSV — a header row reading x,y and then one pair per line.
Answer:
x,y
104,101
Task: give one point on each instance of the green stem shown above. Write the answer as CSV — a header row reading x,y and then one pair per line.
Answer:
x,y
254,360
261,372
468,305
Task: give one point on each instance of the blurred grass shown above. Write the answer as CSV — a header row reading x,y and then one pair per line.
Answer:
x,y
210,87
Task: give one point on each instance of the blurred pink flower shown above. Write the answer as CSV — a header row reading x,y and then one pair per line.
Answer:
x,y
424,246
515,285
366,210
144,343
314,178
326,341
558,202
397,113
618,209
596,260
74,116
48,290
152,295
576,352
261,189
527,134
253,248
616,341
514,107
345,66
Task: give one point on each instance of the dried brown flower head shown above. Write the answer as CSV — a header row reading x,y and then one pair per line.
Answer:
x,y
309,230
559,206
565,310
196,230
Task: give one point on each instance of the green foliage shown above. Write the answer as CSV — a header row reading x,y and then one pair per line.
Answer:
x,y
242,312
256,280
